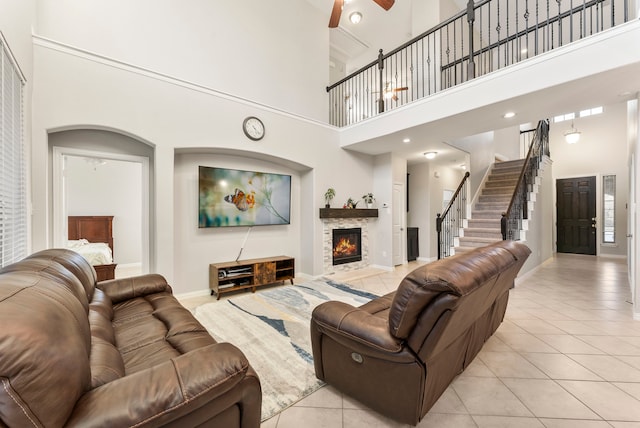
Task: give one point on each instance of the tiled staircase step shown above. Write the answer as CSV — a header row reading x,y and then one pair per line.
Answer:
x,y
505,199
497,190
483,223
492,206
460,250
500,183
472,232
509,164
488,214
476,242
515,170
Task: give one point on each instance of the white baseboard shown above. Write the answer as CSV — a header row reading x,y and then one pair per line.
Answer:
x,y
385,268
199,293
137,265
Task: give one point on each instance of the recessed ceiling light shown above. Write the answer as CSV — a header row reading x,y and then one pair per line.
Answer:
x,y
355,17
406,140
430,155
508,115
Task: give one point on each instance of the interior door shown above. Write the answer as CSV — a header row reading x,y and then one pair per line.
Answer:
x,y
576,214
398,215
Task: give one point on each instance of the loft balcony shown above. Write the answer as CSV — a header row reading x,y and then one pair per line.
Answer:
x,y
488,36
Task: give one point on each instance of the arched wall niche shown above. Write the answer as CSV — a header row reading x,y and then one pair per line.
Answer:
x,y
132,201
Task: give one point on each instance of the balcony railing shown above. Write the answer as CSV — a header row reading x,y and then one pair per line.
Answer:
x,y
485,37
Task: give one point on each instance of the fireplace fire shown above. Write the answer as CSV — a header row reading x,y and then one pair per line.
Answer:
x,y
347,245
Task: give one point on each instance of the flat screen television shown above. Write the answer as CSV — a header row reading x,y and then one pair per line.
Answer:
x,y
232,197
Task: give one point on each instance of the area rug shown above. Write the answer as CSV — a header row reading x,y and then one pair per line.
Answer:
x,y
271,327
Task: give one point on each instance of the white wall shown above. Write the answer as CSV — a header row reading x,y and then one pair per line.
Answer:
x,y
271,53
482,153
76,90
602,150
507,143
540,236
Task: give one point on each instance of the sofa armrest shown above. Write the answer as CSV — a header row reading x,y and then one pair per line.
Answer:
x,y
135,286
210,380
341,319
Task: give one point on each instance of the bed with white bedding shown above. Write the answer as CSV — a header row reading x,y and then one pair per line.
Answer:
x,y
92,237
96,253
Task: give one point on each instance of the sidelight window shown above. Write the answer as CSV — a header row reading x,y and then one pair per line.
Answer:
x,y
609,208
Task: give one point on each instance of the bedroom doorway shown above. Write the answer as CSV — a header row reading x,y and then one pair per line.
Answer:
x,y
90,183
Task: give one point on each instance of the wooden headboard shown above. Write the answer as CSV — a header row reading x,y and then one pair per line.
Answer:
x,y
95,228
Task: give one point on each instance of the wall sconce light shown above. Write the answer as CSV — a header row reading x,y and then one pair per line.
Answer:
x,y
572,136
355,17
430,155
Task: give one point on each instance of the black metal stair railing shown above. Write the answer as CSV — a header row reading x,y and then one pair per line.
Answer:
x,y
448,225
485,37
511,221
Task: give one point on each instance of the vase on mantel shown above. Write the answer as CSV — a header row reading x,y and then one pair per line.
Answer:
x,y
369,205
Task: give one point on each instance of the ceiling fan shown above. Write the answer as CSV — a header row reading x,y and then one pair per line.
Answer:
x,y
390,92
337,10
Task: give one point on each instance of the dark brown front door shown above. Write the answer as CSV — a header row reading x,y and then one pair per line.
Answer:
x,y
576,214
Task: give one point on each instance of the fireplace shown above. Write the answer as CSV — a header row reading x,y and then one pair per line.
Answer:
x,y
347,246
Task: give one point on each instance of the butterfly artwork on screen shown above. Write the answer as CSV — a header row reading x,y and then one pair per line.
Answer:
x,y
232,197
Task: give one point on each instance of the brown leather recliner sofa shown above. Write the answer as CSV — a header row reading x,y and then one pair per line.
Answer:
x,y
398,353
122,353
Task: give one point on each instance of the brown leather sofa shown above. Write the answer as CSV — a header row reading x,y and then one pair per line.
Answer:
x,y
122,353
398,353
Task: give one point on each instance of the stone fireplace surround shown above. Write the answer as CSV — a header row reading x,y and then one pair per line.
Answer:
x,y
327,243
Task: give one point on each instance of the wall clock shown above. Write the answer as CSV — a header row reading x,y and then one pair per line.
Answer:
x,y
253,128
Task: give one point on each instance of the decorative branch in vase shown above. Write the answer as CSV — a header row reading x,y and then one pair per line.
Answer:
x,y
350,204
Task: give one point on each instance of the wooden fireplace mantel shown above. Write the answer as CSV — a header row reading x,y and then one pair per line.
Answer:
x,y
348,212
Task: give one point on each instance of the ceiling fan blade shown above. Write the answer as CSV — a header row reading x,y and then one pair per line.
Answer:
x,y
385,4
404,88
335,13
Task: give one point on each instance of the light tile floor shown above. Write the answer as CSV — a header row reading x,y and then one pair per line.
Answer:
x,y
566,355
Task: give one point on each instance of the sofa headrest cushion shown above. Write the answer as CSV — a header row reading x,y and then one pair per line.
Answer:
x,y
74,263
454,277
52,271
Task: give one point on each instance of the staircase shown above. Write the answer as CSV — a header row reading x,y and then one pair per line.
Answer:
x,y
483,227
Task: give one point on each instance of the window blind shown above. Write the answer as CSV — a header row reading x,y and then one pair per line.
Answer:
x,y
13,207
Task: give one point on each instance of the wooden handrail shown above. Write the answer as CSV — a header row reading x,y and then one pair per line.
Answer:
x,y
440,219
455,195
536,140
